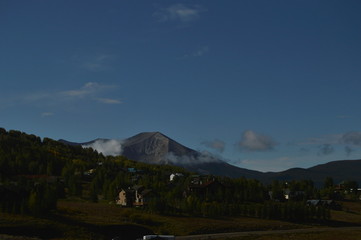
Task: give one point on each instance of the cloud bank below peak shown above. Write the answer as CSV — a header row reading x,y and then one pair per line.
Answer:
x,y
106,147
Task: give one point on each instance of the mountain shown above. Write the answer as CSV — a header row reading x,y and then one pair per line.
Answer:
x,y
156,148
338,170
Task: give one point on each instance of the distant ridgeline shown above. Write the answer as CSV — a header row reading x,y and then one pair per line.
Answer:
x,y
35,172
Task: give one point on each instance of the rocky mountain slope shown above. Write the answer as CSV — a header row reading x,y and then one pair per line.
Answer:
x,y
154,147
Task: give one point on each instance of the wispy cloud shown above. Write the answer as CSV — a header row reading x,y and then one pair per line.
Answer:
x,y
90,91
47,114
343,116
256,142
325,139
353,138
109,101
198,53
179,12
327,144
95,63
201,51
215,144
326,149
350,138
348,150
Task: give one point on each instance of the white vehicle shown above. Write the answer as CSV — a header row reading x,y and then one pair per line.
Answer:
x,y
161,237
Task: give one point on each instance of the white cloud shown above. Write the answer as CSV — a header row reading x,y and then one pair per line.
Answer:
x,y
47,114
106,147
255,142
109,101
90,91
94,63
179,12
87,89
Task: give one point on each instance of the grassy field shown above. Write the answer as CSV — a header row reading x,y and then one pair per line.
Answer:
x,y
110,214
78,219
330,235
351,212
350,215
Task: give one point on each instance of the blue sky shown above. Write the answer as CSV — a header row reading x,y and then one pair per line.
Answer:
x,y
265,85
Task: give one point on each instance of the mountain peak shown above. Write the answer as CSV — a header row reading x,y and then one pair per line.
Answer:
x,y
141,137
153,147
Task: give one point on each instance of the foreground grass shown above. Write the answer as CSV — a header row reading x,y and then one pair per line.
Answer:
x,y
351,213
330,235
76,219
101,214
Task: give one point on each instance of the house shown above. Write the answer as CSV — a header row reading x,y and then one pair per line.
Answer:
x,y
143,197
173,176
196,180
294,195
135,196
90,172
126,198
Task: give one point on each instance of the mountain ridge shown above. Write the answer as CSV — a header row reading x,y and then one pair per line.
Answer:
x,y
157,148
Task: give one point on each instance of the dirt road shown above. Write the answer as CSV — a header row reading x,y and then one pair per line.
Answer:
x,y
242,234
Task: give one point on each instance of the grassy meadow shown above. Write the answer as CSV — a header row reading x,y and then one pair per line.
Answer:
x,y
77,219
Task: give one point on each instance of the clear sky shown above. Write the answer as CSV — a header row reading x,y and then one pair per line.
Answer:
x,y
265,85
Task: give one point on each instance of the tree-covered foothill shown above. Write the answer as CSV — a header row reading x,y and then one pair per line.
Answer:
x,y
35,172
